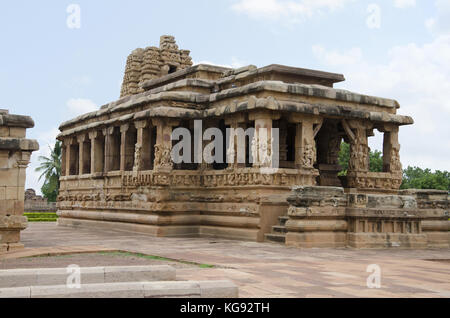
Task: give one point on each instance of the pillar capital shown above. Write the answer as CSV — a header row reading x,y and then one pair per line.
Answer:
x,y
108,130
264,114
93,134
302,118
141,124
169,122
124,128
81,138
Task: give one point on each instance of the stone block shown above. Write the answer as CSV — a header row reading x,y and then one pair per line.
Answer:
x,y
18,292
172,290
139,273
218,289
316,239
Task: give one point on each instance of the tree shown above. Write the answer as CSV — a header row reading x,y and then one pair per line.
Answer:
x,y
417,178
50,168
376,159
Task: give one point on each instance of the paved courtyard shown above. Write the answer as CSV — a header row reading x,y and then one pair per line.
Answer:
x,y
264,269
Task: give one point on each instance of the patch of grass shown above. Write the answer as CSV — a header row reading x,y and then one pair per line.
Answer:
x,y
41,217
156,258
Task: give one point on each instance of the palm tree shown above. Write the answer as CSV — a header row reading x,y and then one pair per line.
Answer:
x,y
51,171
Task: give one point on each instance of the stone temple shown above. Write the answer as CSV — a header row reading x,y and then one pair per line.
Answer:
x,y
118,171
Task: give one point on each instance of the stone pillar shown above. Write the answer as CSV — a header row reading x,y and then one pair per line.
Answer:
x,y
63,159
97,152
15,153
67,143
236,123
143,153
123,146
81,140
112,149
207,123
264,140
359,151
305,143
163,147
391,150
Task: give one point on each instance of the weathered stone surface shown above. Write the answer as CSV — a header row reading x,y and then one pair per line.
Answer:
x,y
194,289
361,220
15,152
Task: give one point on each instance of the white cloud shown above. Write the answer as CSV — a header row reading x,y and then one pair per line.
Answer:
x,y
418,76
441,23
79,106
404,3
292,11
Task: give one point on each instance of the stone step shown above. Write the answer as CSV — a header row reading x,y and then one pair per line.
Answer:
x,y
88,275
278,229
276,238
283,220
175,289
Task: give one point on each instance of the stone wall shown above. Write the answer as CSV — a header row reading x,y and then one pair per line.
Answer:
x,y
15,152
37,203
330,217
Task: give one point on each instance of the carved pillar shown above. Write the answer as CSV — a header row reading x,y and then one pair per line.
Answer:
x,y
163,147
265,150
391,150
81,154
97,151
123,146
112,149
143,152
207,123
236,149
67,143
305,143
359,150
63,159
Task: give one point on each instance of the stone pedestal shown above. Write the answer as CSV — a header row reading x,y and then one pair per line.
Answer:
x,y
329,175
15,152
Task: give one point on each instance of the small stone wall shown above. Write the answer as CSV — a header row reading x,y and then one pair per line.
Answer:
x,y
329,217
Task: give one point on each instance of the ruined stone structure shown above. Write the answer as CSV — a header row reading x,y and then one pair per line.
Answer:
x,y
118,171
37,203
15,152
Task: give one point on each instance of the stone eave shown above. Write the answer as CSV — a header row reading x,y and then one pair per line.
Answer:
x,y
162,111
20,121
16,144
318,91
183,73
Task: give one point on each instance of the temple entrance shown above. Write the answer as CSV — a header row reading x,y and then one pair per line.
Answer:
x,y
328,143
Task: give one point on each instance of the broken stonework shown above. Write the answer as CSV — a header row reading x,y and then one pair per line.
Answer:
x,y
15,152
326,217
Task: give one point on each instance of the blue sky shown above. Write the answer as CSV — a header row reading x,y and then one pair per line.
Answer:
x,y
391,48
